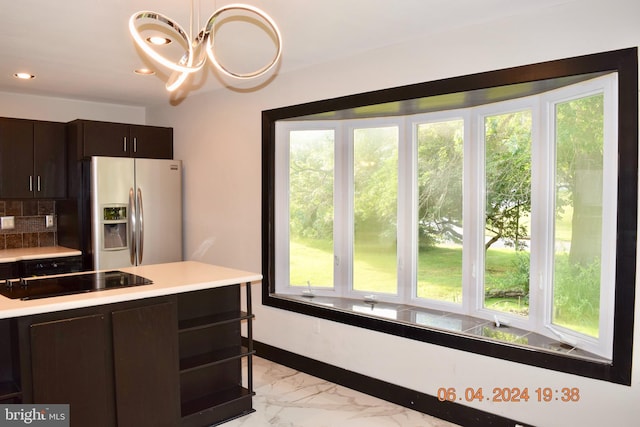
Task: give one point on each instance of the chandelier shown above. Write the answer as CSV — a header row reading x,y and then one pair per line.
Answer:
x,y
198,46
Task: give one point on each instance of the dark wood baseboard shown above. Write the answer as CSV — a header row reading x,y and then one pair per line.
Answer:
x,y
421,402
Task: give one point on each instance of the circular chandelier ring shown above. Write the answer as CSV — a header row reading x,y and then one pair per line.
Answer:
x,y
210,41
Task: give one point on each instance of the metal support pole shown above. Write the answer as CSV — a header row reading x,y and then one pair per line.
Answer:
x,y
249,339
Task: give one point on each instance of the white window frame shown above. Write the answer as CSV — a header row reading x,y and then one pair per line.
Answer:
x,y
543,206
283,131
350,126
468,167
608,86
478,188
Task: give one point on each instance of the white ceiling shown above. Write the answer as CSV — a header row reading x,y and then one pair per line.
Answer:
x,y
81,49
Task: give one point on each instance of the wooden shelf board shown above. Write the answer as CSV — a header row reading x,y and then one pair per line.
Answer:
x,y
213,400
187,325
212,358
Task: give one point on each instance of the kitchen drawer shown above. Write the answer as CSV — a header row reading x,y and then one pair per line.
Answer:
x,y
48,266
9,270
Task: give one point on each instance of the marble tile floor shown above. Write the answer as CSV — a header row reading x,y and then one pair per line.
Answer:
x,y
289,398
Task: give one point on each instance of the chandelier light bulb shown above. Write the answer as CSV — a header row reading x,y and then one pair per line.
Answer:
x,y
158,41
198,49
24,76
153,54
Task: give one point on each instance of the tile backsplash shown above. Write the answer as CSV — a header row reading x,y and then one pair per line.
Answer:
x,y
30,230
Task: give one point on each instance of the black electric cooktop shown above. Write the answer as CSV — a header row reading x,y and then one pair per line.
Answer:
x,y
43,287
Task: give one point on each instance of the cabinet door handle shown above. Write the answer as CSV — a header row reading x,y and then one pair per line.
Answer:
x,y
135,144
124,144
38,186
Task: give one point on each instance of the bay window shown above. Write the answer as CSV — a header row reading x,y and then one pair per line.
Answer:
x,y
501,214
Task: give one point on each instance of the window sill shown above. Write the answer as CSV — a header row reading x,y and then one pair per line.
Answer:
x,y
446,322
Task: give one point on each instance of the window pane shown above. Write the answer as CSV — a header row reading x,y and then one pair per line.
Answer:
x,y
440,163
311,167
507,209
578,223
375,205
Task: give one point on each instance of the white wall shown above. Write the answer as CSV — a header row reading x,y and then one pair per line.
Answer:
x,y
35,107
218,137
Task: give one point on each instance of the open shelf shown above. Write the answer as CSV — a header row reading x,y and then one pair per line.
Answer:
x,y
217,407
212,358
188,325
211,369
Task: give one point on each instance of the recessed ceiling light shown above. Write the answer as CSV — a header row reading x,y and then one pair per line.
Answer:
x,y
158,40
144,71
24,76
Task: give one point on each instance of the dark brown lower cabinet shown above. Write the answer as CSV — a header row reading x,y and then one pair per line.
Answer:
x,y
10,390
146,363
117,366
70,364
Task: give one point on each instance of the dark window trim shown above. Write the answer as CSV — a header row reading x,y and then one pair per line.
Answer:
x,y
625,63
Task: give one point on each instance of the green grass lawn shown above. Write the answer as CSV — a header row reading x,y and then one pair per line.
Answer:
x,y
439,274
439,268
311,261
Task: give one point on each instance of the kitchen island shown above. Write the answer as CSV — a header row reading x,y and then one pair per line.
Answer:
x,y
170,278
168,353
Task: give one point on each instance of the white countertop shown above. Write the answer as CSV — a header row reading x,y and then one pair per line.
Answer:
x,y
170,278
13,255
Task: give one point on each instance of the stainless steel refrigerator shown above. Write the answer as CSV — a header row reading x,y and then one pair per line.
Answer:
x,y
136,211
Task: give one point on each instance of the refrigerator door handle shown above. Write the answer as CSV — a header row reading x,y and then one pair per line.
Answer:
x,y
141,227
132,227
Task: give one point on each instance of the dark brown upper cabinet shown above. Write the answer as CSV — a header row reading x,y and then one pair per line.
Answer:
x,y
94,138
32,159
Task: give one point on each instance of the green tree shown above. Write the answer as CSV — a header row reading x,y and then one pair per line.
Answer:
x,y
376,183
508,176
579,160
440,153
508,179
311,175
440,163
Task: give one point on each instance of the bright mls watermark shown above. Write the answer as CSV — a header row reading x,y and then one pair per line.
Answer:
x,y
34,415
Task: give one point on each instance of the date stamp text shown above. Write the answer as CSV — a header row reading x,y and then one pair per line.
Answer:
x,y
509,394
